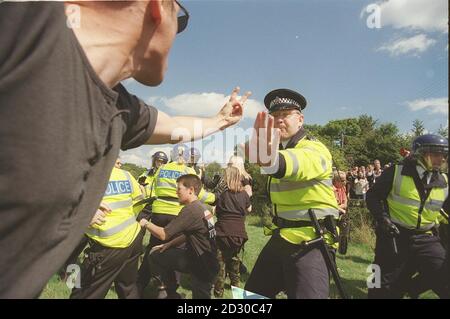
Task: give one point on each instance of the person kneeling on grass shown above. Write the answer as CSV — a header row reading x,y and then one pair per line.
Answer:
x,y
195,226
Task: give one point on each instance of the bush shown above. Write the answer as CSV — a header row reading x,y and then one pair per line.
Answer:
x,y
361,223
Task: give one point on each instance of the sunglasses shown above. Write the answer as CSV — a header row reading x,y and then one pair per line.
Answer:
x,y
183,19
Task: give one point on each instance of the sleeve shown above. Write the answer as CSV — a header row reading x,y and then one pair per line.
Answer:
x,y
378,193
136,194
208,182
443,216
311,161
248,202
182,223
206,197
140,119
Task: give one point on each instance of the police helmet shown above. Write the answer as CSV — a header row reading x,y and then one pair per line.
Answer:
x,y
430,143
180,151
195,154
159,156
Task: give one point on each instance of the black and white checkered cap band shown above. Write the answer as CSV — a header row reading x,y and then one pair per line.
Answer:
x,y
283,100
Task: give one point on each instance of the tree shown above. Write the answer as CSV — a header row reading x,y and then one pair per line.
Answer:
x,y
385,144
212,169
443,131
367,123
418,128
134,170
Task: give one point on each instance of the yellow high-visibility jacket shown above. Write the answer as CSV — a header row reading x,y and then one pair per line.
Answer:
x,y
121,227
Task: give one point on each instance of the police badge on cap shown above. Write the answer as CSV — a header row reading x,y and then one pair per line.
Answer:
x,y
283,99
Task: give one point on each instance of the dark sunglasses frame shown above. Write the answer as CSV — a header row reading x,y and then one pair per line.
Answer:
x,y
182,20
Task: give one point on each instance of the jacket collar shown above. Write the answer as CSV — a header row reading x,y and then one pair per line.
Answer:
x,y
410,169
301,133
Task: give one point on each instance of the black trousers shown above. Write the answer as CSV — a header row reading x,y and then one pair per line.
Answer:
x,y
144,273
73,258
176,259
104,265
282,266
422,253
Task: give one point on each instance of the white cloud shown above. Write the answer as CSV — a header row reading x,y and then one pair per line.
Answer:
x,y
142,155
435,105
425,15
134,159
413,45
203,104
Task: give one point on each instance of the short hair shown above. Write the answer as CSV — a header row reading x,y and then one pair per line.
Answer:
x,y
191,180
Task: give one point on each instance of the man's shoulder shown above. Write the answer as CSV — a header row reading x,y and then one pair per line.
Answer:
x,y
194,210
312,145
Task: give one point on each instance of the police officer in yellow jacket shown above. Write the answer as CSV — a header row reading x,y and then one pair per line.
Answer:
x,y
115,241
300,170
166,207
147,178
405,203
147,181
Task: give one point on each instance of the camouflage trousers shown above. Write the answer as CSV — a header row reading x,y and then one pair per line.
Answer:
x,y
229,263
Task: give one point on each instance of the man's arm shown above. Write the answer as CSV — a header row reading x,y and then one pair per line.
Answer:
x,y
175,242
177,129
157,231
378,193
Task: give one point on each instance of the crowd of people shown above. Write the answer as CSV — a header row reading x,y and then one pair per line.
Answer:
x,y
356,182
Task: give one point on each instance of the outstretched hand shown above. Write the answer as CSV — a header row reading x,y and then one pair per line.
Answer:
x,y
263,145
233,110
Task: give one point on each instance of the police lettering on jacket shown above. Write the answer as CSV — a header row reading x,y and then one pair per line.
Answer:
x,y
164,173
118,187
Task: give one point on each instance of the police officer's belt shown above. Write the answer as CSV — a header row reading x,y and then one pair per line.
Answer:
x,y
285,223
411,232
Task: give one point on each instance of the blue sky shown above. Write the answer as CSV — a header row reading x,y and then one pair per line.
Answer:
x,y
323,49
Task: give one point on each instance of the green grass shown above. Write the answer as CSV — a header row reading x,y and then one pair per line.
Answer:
x,y
352,269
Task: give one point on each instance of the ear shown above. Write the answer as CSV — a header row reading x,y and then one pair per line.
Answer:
x,y
301,120
156,10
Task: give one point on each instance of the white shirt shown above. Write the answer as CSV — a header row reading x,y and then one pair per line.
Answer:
x,y
421,172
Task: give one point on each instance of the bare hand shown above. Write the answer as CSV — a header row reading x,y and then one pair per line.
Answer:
x,y
161,248
232,111
100,215
263,145
143,222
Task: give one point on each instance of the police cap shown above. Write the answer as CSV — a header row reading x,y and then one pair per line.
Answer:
x,y
283,99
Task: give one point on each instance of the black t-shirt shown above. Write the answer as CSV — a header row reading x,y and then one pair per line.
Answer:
x,y
61,129
196,222
231,208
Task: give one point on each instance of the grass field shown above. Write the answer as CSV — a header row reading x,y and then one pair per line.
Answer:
x,y
352,268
